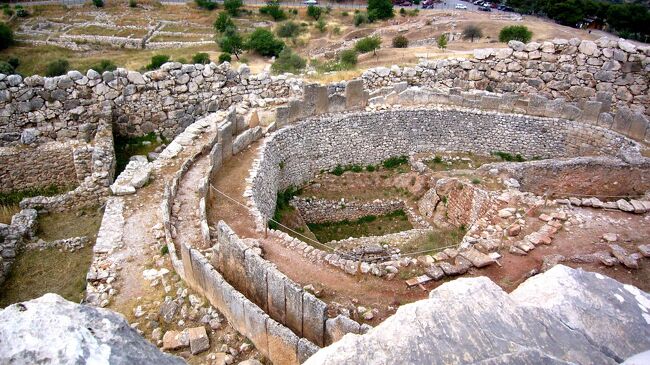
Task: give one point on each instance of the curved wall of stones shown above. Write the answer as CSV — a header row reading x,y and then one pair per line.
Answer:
x,y
292,156
614,73
163,101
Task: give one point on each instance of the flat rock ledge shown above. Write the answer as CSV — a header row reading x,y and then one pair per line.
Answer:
x,y
563,316
52,330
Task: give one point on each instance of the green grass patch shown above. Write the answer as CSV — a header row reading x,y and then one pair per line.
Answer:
x,y
435,240
505,156
365,226
125,147
60,225
394,162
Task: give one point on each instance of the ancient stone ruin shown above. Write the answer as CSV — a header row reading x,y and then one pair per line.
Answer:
x,y
559,140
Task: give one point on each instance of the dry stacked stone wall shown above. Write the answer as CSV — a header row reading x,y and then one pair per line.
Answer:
x,y
292,156
40,109
608,71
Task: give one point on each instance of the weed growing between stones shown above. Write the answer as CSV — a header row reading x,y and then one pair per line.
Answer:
x,y
394,162
505,156
282,205
14,197
126,147
369,225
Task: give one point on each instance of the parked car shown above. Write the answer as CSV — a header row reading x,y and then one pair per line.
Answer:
x,y
484,8
461,6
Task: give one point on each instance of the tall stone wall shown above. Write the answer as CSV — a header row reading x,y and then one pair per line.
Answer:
x,y
609,71
167,100
292,156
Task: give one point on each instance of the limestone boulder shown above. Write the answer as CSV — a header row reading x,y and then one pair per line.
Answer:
x,y
559,317
52,330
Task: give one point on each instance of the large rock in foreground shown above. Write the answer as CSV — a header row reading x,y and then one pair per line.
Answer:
x,y
558,317
52,330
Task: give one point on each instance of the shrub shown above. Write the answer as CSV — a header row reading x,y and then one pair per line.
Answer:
x,y
314,11
442,41
360,18
515,33
6,36
157,61
14,62
104,65
382,9
8,11
400,42
402,11
98,3
57,67
370,168
508,156
233,6
225,57
368,44
201,57
476,181
264,42
348,58
356,168
288,30
288,61
6,68
336,30
273,9
231,42
338,170
472,32
223,22
206,4
345,13
21,12
133,3
394,162
321,25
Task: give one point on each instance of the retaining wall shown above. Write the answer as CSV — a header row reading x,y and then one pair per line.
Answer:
x,y
612,72
292,156
322,210
163,101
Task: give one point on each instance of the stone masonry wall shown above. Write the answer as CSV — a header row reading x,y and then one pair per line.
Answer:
x,y
368,138
38,167
165,101
610,71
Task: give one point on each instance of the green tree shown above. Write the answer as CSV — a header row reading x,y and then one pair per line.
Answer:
x,y
233,6
264,42
6,36
314,11
442,41
368,44
57,67
472,32
516,33
400,42
223,22
273,9
206,4
360,18
288,61
381,9
288,30
98,3
231,42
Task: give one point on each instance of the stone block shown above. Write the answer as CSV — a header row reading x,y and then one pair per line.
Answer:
x,y
313,318
256,268
336,103
490,102
199,340
337,327
537,105
294,312
225,139
216,157
306,349
281,116
606,99
638,126
570,112
315,99
242,141
282,343
590,111
275,281
355,96
623,120
255,324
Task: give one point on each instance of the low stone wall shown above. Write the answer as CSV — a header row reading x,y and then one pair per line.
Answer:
x,y
368,138
608,71
163,101
34,167
322,210
23,227
608,176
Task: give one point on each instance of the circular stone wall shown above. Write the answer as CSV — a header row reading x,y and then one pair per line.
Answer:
x,y
293,155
